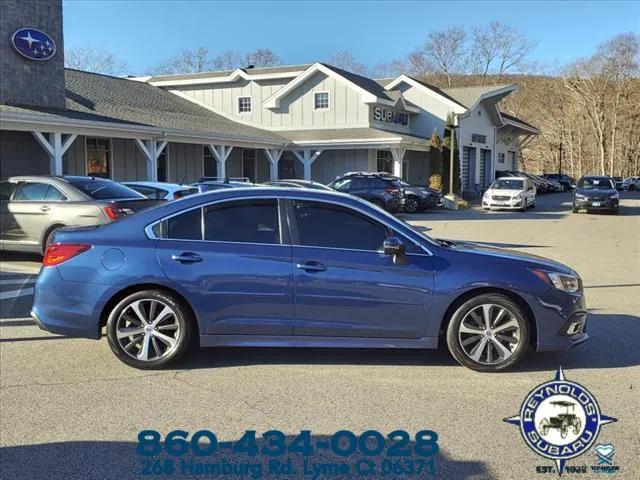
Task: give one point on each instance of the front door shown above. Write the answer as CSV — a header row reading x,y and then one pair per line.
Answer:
x,y
345,286
231,260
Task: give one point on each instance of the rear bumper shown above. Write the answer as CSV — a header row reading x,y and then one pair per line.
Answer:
x,y
67,308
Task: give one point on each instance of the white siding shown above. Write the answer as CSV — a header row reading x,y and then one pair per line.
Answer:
x,y
433,111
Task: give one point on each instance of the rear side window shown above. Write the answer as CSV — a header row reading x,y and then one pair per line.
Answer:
x,y
103,189
327,225
186,226
248,221
54,195
184,193
6,190
31,191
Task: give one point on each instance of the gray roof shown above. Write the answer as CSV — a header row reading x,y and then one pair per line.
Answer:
x,y
225,73
103,98
468,96
516,119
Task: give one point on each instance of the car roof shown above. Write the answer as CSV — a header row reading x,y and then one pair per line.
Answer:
x,y
158,184
513,178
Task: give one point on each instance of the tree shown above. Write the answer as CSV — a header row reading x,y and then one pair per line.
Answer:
x,y
187,61
346,61
498,48
227,60
446,49
94,60
263,57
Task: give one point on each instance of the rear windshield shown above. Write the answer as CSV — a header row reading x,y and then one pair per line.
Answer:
x,y
596,184
507,184
103,189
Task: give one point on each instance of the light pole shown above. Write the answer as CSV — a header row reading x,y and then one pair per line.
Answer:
x,y
452,147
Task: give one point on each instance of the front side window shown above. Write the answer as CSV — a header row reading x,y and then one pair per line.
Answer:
x,y
32,192
332,226
98,157
247,221
321,101
244,104
342,184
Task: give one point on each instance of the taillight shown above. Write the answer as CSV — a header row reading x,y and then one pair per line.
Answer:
x,y
392,191
61,252
114,213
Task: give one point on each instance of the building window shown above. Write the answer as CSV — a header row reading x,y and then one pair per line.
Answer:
x,y
321,101
163,165
501,158
98,157
210,165
249,164
384,161
244,104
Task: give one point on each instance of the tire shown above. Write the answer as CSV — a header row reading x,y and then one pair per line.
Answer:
x,y
412,205
176,327
49,236
631,187
468,313
533,205
524,206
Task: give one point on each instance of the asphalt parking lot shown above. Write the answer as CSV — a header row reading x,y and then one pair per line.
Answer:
x,y
70,409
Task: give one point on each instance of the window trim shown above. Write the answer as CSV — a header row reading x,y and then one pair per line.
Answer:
x,y
283,204
20,185
238,98
323,109
283,235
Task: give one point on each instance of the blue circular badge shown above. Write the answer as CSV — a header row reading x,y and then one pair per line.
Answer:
x,y
33,44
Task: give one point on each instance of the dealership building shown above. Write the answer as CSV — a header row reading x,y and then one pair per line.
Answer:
x,y
311,121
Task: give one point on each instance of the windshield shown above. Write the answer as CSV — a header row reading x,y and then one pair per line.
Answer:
x,y
508,184
596,184
103,189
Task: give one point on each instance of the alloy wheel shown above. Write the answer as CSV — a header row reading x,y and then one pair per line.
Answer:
x,y
489,334
148,329
411,205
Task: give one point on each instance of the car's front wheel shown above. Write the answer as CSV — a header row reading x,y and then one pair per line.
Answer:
x,y
488,333
412,205
149,329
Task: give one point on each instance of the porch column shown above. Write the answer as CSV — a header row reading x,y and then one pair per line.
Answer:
x,y
221,154
55,147
307,158
151,149
273,155
398,155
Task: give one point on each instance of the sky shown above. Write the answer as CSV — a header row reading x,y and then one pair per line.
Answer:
x,y
144,33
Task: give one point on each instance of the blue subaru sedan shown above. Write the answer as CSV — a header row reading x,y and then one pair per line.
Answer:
x,y
299,268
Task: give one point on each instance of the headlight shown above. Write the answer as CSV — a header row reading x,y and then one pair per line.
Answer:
x,y
615,195
579,195
561,281
518,196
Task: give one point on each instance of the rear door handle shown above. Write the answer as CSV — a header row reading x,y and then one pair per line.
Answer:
x,y
44,208
311,266
187,257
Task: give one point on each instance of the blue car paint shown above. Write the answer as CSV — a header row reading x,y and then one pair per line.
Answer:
x,y
253,294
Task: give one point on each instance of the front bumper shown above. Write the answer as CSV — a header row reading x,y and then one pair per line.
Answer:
x,y
596,204
510,204
431,201
561,320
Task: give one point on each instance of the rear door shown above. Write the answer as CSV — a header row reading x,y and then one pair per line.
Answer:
x,y
28,213
234,260
6,192
345,286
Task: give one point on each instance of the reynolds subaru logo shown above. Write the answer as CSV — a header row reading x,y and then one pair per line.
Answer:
x,y
33,44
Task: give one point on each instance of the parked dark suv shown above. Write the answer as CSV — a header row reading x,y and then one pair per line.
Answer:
x,y
566,181
379,188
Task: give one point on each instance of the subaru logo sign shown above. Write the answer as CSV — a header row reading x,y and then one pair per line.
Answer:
x,y
33,44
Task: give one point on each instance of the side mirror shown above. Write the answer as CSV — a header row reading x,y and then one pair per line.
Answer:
x,y
393,246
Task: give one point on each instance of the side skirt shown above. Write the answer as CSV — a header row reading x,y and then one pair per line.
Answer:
x,y
315,342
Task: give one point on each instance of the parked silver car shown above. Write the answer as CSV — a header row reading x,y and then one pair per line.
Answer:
x,y
33,207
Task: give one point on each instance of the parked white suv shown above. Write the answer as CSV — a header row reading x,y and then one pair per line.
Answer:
x,y
513,193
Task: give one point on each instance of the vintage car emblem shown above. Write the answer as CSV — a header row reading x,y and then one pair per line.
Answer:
x,y
560,420
33,44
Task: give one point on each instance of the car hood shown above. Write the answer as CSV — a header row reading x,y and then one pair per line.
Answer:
x,y
507,193
596,193
534,260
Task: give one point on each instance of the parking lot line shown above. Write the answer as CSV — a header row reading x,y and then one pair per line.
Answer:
x,y
16,293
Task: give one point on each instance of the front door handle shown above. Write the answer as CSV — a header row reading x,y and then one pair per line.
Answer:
x,y
44,208
311,266
187,257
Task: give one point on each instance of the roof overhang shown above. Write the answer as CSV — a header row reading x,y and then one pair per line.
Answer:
x,y
56,124
454,106
517,125
237,74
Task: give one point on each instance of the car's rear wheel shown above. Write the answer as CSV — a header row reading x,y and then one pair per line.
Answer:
x,y
488,333
412,205
149,329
